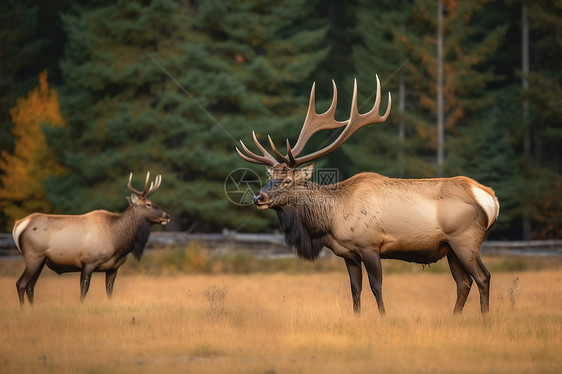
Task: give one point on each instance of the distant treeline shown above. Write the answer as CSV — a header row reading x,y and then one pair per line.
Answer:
x,y
90,91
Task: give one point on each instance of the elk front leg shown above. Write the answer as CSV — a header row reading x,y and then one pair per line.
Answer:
x,y
356,280
372,262
109,280
85,277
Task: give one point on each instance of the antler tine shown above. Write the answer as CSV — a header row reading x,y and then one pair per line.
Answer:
x,y
376,106
130,186
355,122
276,151
246,158
292,160
315,122
146,187
266,159
265,153
154,186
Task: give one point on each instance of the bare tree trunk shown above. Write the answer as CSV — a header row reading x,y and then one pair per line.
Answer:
x,y
440,114
524,78
527,227
401,125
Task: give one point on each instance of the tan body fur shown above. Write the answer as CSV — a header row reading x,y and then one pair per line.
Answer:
x,y
67,243
380,213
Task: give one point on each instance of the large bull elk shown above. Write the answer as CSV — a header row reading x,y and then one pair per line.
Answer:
x,y
98,241
369,216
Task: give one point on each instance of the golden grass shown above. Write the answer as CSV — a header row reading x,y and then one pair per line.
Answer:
x,y
297,323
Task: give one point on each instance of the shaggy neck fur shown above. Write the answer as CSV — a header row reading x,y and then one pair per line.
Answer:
x,y
307,223
131,233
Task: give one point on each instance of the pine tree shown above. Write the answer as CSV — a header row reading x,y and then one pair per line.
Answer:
x,y
170,87
18,53
467,45
25,171
399,147
543,171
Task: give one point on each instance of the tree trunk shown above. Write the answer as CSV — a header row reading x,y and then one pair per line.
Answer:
x,y
527,227
401,126
440,114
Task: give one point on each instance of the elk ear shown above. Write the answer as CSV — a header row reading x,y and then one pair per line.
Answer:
x,y
269,170
133,199
305,173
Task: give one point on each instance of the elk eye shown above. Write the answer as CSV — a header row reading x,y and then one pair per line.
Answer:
x,y
149,205
287,181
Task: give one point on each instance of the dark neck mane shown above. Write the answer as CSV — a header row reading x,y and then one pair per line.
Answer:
x,y
306,224
132,233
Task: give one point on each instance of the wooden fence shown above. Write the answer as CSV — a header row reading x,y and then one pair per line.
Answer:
x,y
274,244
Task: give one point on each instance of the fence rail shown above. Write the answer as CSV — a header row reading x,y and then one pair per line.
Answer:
x,y
274,244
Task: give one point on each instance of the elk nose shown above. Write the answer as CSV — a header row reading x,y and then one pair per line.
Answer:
x,y
257,198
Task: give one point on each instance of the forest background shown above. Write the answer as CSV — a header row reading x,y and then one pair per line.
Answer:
x,y
92,90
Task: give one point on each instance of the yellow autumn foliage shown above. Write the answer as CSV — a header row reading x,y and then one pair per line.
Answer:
x,y
32,163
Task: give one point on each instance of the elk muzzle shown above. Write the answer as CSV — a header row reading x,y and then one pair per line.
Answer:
x,y
261,200
164,219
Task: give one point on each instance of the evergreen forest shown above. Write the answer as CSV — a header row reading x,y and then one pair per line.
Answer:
x,y
93,90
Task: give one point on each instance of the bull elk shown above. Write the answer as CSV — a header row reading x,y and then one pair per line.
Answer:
x,y
98,241
370,217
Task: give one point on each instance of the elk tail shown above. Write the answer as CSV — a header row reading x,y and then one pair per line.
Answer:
x,y
489,203
19,227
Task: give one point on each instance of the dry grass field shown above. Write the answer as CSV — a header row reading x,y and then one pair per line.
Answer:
x,y
282,322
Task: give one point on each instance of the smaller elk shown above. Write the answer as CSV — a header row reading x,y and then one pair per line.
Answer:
x,y
98,241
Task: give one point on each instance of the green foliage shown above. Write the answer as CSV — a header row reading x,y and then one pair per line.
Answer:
x,y
18,51
170,86
170,89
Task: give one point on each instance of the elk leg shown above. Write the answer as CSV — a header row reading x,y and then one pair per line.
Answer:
x,y
462,278
85,277
372,261
356,280
29,278
30,289
109,280
470,259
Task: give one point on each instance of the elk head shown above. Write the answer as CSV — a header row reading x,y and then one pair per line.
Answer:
x,y
142,205
283,186
285,179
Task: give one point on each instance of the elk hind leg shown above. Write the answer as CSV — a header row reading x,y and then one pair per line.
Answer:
x,y
372,262
356,280
462,278
469,256
26,283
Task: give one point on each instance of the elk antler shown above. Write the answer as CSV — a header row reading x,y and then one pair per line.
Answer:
x,y
314,123
266,159
148,190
